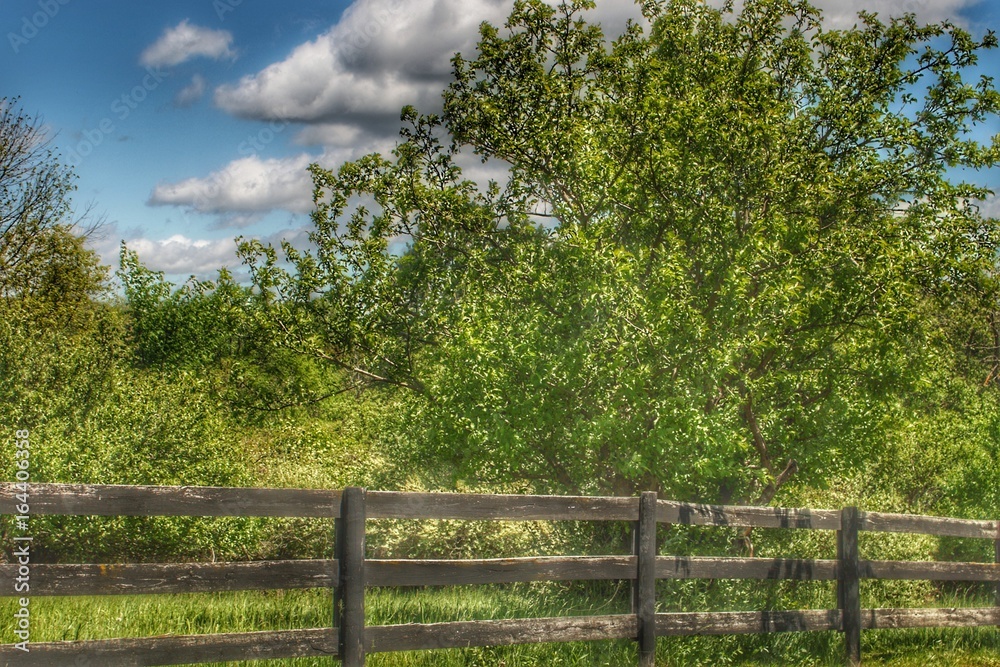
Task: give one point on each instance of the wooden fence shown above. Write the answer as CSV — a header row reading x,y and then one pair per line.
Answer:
x,y
351,572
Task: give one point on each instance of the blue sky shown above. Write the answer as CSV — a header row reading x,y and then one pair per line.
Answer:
x,y
191,122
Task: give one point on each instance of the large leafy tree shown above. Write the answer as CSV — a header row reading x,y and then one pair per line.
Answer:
x,y
715,264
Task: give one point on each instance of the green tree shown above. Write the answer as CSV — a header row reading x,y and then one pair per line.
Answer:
x,y
35,214
714,266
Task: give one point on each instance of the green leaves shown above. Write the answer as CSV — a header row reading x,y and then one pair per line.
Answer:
x,y
35,187
717,255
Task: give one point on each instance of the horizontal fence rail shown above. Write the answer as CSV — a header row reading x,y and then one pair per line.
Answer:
x,y
928,525
350,572
151,578
120,500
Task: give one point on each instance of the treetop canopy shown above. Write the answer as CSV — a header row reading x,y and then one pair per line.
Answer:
x,y
719,256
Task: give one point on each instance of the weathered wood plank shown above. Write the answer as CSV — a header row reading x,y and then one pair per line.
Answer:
x,y
848,589
645,584
176,650
798,569
117,500
954,617
929,571
156,578
350,599
120,500
929,525
497,570
402,505
159,578
747,622
670,511
417,636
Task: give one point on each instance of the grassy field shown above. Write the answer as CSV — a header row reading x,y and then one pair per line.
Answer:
x,y
55,619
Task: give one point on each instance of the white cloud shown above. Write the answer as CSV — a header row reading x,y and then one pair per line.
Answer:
x,y
384,54
331,134
184,42
990,207
177,255
247,188
481,173
244,187
614,14
350,83
182,255
346,88
844,13
191,93
381,55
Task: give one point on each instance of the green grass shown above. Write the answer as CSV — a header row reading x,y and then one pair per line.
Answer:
x,y
56,619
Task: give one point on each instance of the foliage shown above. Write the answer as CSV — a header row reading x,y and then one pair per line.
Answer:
x,y
214,328
34,203
718,259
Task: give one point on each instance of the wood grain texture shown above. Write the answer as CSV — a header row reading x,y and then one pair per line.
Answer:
x,y
874,619
747,622
120,500
797,569
156,578
175,650
417,636
402,505
162,578
929,571
670,511
848,589
117,500
497,570
645,584
928,525
350,598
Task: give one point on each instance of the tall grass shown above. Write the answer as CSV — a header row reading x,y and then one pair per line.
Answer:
x,y
55,619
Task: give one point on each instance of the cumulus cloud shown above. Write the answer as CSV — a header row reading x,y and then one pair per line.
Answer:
x,y
184,42
384,54
345,89
990,207
191,93
246,189
182,255
178,255
380,56
331,134
242,189
844,13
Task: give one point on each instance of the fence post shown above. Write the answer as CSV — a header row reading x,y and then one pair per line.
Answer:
x,y
349,602
644,588
848,585
996,559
